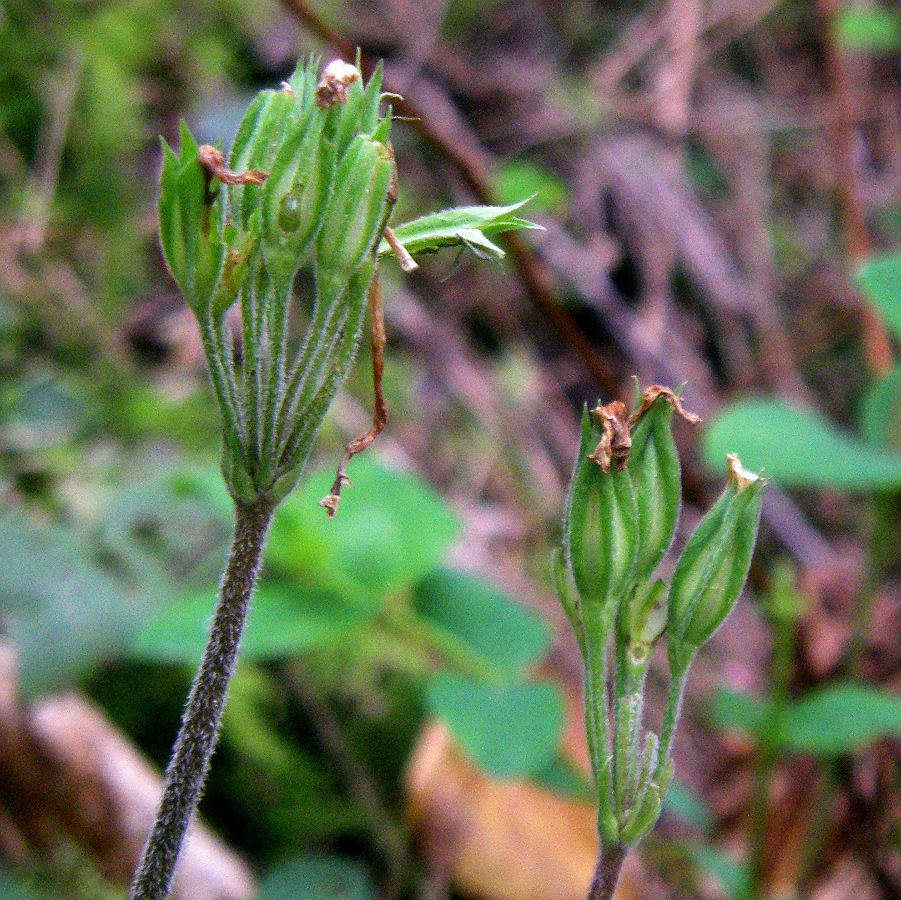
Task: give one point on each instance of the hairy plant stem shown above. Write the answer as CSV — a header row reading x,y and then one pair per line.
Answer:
x,y
607,871
196,739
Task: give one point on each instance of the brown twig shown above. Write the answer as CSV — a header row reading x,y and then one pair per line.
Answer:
x,y
852,211
380,410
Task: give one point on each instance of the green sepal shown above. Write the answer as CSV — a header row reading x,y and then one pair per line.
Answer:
x,y
600,531
644,816
238,479
191,229
295,194
305,79
355,216
171,236
712,568
256,143
455,227
569,596
241,248
608,827
654,467
359,112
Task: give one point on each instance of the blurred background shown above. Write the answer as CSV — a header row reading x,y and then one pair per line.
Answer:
x,y
720,184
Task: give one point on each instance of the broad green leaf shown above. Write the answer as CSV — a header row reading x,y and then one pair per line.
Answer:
x,y
731,875
455,227
880,279
732,709
510,730
319,877
522,178
562,777
798,448
871,27
685,803
284,620
484,620
391,530
880,419
840,718
65,613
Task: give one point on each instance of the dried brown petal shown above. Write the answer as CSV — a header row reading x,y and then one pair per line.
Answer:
x,y
213,163
336,78
651,393
615,440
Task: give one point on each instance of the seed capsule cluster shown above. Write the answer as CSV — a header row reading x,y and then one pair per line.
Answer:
x,y
621,514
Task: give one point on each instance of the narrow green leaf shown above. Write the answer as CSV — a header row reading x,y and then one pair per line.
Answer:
x,y
451,227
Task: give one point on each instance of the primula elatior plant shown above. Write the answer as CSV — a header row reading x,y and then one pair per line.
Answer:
x,y
308,188
621,514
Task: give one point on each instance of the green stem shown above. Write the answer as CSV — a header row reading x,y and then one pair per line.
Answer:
x,y
674,694
223,385
780,676
186,772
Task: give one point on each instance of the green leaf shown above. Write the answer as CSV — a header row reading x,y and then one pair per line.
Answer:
x,y
562,777
880,279
284,620
688,806
522,178
840,718
486,621
798,448
733,709
390,531
455,227
318,877
872,27
65,613
733,876
510,730
880,419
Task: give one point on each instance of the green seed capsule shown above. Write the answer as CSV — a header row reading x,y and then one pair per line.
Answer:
x,y
600,530
714,564
654,466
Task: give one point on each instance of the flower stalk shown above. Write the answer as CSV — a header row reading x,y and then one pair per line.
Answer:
x,y
621,514
308,186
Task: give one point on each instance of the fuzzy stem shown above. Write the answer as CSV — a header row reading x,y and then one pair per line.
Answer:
x,y
200,725
607,871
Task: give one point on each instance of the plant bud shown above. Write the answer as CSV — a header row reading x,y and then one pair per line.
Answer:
x,y
190,227
259,136
654,467
600,529
355,215
642,617
296,192
713,566
569,596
